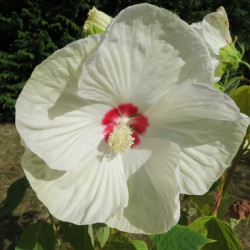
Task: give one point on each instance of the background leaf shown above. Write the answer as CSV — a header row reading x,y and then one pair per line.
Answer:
x,y
39,236
91,234
241,96
102,233
232,85
119,241
77,236
140,245
213,228
179,237
205,202
35,29
15,195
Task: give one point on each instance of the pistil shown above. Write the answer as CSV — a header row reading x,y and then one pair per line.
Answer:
x,y
120,140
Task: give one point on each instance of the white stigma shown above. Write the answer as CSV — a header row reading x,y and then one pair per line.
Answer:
x,y
120,140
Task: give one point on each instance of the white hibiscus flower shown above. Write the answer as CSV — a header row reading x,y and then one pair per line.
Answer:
x,y
116,126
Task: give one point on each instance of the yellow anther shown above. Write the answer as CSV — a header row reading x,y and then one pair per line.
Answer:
x,y
120,140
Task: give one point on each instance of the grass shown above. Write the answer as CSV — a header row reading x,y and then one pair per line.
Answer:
x,y
30,210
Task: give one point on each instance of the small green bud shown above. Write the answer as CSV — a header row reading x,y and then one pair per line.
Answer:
x,y
230,58
96,23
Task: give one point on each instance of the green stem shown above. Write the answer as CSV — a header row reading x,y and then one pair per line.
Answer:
x,y
245,79
245,63
55,230
216,205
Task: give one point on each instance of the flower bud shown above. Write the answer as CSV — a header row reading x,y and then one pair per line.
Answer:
x,y
96,23
230,58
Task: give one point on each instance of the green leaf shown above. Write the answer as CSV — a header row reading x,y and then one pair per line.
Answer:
x,y
119,241
241,96
91,234
231,85
39,236
205,202
77,236
140,245
15,195
179,237
215,229
102,233
225,203
219,87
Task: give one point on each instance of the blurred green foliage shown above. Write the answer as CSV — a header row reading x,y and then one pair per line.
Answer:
x,y
32,30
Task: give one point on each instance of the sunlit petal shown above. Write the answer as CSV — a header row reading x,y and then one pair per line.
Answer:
x,y
194,114
141,56
54,122
201,166
91,192
153,205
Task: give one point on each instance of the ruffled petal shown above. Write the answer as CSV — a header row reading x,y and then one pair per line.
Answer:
x,y
153,206
195,114
54,122
141,56
91,192
214,30
208,127
136,157
201,166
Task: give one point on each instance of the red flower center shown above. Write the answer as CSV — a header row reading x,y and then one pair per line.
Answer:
x,y
125,114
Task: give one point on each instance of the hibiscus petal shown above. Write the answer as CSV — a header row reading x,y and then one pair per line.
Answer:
x,y
208,127
195,114
141,56
54,122
214,29
201,166
127,109
134,158
110,117
91,192
153,193
139,123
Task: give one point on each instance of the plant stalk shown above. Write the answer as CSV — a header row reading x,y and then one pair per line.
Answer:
x,y
245,63
245,79
55,230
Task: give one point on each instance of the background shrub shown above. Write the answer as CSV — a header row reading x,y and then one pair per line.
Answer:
x,y
32,30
